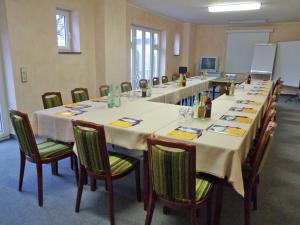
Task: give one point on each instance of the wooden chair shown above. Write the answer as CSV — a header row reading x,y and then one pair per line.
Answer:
x,y
164,79
175,77
143,83
103,89
43,153
52,99
155,81
79,95
126,87
173,181
98,163
252,171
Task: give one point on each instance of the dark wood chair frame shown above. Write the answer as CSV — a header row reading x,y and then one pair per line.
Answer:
x,y
251,182
49,94
54,166
79,89
164,79
143,83
105,86
106,176
37,159
125,83
191,206
155,80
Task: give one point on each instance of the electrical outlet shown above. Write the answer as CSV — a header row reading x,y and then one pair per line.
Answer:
x,y
24,75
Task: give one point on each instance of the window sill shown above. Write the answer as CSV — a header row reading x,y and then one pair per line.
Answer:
x,y
70,53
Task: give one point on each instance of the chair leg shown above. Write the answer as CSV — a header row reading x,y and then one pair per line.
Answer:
x,y
54,168
218,203
72,162
111,201
254,197
22,168
193,216
247,206
82,177
75,161
39,168
146,179
150,209
165,210
208,211
138,182
93,184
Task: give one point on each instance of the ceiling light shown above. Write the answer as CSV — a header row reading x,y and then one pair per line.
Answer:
x,y
235,7
248,21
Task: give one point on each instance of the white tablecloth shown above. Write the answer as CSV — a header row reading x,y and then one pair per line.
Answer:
x,y
218,154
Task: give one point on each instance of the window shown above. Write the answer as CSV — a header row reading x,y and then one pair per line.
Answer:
x,y
145,54
63,30
176,44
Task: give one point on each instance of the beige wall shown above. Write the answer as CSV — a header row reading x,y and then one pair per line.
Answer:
x,y
32,33
212,40
169,26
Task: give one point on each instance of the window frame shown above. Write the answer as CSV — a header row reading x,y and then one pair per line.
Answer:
x,y
67,15
153,47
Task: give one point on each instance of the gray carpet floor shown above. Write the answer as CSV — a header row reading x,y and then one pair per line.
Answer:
x,y
279,197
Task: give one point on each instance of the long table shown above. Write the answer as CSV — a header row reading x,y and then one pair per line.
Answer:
x,y
218,154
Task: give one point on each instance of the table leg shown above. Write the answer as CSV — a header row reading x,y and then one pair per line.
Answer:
x,y
146,179
218,202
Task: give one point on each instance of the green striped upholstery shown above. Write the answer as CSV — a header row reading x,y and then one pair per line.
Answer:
x,y
22,130
171,176
87,142
126,87
164,79
52,101
50,149
104,91
80,96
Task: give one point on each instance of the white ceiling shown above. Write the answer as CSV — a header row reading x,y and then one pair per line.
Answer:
x,y
195,11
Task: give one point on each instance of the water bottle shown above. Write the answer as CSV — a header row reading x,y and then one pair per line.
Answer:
x,y
110,98
195,106
117,96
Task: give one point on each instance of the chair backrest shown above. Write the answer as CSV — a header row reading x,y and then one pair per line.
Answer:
x,y
52,99
269,116
262,151
172,169
143,83
126,86
24,134
91,146
164,79
175,76
103,89
155,81
80,94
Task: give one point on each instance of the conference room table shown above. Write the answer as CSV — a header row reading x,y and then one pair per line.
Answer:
x,y
219,154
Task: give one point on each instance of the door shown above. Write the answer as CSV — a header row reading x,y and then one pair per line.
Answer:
x,y
4,127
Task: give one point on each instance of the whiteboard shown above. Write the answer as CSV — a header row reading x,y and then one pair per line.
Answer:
x,y
263,59
240,48
287,63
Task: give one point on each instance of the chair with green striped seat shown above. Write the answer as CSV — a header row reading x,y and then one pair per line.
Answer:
x,y
155,81
126,87
164,79
173,181
253,168
52,99
99,164
79,95
43,153
103,89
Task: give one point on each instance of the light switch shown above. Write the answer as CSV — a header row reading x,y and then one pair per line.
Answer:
x,y
24,75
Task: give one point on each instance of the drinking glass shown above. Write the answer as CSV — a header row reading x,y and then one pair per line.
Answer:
x,y
189,115
181,115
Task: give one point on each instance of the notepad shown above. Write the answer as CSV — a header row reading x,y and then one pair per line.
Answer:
x,y
262,93
98,100
125,122
239,119
71,105
66,114
248,102
243,109
229,130
186,133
